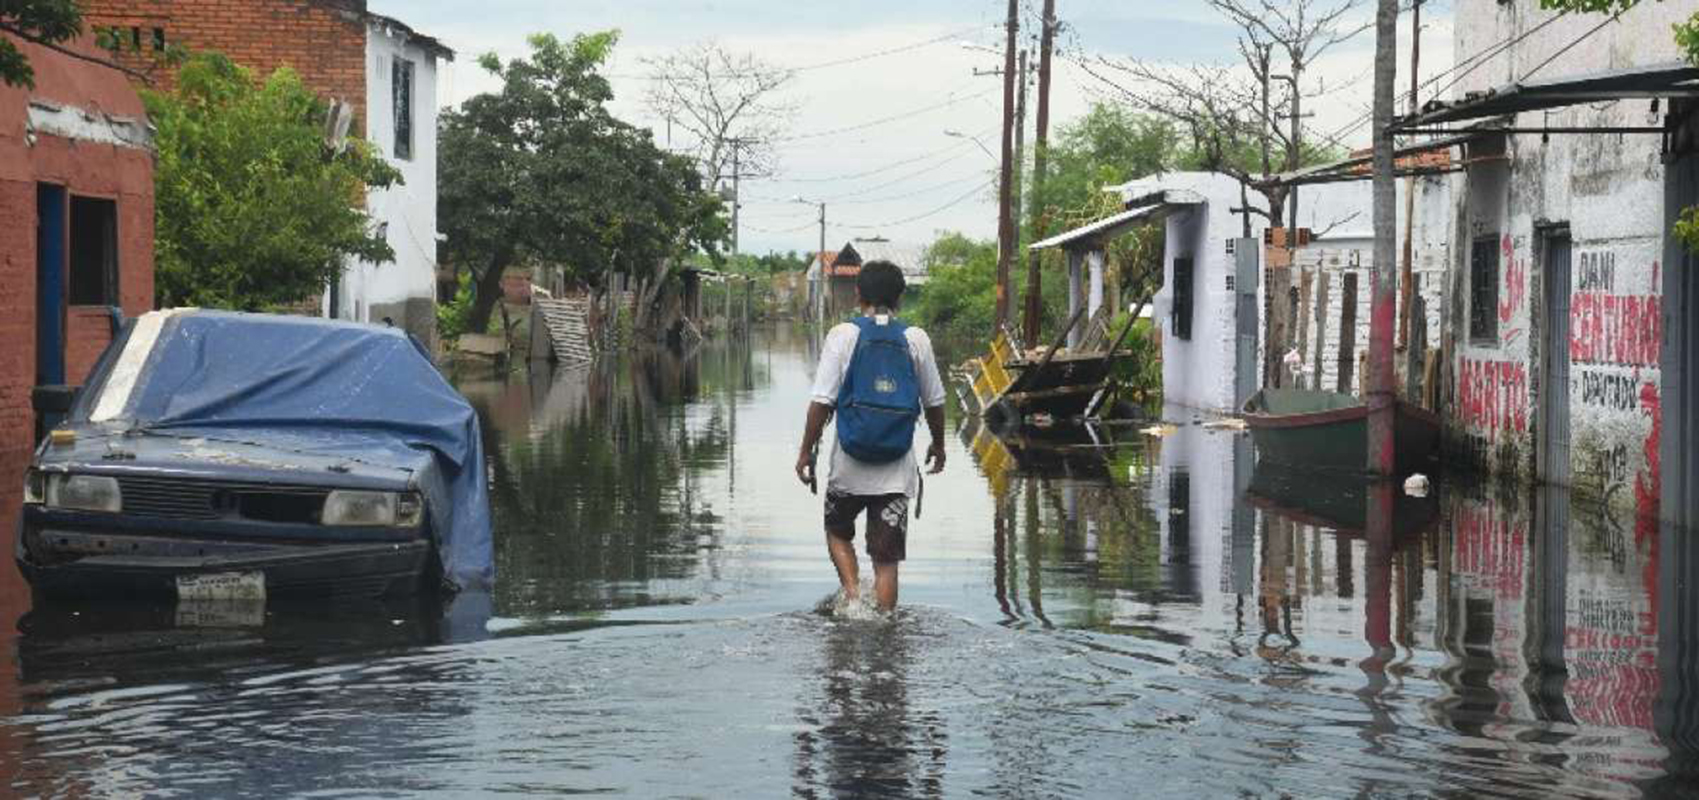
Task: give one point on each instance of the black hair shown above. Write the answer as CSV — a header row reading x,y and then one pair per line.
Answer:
x,y
880,284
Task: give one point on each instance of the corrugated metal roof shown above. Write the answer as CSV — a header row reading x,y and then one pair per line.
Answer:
x,y
1150,207
1656,80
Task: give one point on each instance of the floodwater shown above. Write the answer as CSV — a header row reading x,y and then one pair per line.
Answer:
x,y
1103,613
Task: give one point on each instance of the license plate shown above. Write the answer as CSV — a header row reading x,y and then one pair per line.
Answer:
x,y
222,586
220,613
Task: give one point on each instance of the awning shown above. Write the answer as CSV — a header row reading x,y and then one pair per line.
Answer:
x,y
1143,210
1676,79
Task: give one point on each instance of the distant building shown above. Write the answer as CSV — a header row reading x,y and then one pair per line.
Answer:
x,y
839,294
76,205
385,73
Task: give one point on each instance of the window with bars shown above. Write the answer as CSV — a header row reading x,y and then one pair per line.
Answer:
x,y
1483,289
401,83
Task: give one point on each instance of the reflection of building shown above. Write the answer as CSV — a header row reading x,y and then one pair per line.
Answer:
x,y
385,73
76,208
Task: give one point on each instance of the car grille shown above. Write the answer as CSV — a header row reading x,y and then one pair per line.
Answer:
x,y
176,498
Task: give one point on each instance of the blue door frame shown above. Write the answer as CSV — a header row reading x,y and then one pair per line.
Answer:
x,y
50,284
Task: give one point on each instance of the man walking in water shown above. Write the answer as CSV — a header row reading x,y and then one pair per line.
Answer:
x,y
877,375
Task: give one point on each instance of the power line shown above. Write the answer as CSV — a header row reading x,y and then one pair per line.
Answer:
x,y
837,62
890,51
809,224
922,215
946,103
882,169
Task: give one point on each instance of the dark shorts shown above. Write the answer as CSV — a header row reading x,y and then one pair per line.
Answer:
x,y
887,522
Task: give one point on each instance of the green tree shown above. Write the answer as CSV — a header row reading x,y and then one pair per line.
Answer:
x,y
45,22
961,291
542,171
253,208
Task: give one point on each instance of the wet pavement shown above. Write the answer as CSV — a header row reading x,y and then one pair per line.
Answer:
x,y
1085,613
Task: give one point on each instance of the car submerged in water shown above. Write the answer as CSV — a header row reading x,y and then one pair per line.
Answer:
x,y
237,456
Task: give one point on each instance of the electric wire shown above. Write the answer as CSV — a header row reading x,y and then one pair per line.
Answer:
x,y
923,215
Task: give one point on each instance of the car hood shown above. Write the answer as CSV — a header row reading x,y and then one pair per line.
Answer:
x,y
251,459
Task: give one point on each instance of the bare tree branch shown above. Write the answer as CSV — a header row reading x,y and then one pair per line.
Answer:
x,y
726,102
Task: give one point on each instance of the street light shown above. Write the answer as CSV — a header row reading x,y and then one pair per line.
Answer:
x,y
974,139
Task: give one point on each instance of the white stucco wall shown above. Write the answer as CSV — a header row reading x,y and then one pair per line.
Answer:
x,y
1198,373
1608,189
407,211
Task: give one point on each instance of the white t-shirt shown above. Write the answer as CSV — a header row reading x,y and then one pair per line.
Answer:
x,y
847,475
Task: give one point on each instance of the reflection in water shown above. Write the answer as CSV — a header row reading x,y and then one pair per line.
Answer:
x,y
1088,612
859,737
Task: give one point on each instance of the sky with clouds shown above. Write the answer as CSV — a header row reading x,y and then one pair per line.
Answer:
x,y
903,179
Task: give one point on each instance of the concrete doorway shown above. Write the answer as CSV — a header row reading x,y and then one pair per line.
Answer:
x,y
1554,369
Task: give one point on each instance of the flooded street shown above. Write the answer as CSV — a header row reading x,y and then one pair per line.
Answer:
x,y
1145,616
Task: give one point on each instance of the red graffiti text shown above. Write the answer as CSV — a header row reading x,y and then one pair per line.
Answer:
x,y
1615,329
1515,281
1494,395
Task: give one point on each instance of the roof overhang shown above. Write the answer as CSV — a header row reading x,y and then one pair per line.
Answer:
x,y
1407,160
1141,210
1676,79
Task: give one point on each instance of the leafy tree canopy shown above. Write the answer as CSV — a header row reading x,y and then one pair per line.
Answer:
x,y
253,208
44,21
542,171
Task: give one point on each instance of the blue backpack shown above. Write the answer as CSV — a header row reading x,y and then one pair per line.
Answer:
x,y
879,401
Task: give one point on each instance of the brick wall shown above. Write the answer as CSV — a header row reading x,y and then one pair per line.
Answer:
x,y
122,174
323,40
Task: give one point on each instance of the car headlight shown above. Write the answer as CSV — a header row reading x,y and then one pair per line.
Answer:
x,y
35,487
354,507
82,493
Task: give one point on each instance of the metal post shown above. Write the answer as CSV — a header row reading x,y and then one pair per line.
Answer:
x,y
1005,219
1382,397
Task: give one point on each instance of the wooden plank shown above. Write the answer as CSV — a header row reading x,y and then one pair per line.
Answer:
x,y
1306,280
1278,313
1347,333
1322,285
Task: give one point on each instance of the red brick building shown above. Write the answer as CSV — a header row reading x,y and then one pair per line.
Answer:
x,y
322,40
76,208
385,73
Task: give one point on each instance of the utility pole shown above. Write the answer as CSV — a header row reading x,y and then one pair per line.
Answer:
x,y
825,278
1406,278
736,196
1005,217
1020,141
1382,400
1295,155
1040,146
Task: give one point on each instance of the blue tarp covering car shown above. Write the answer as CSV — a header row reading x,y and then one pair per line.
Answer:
x,y
246,443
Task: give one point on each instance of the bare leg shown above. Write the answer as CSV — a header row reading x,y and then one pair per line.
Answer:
x,y
885,585
843,557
